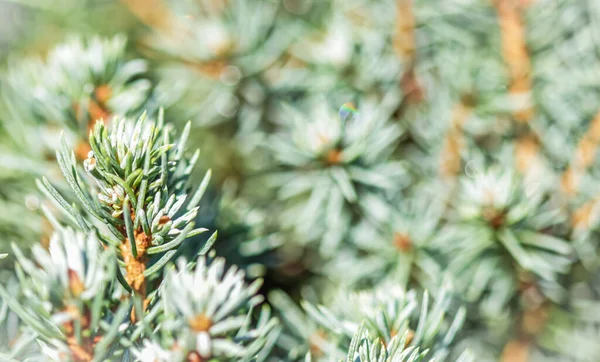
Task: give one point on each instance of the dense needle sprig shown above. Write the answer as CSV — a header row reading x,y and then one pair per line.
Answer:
x,y
386,312
335,165
207,313
66,298
79,81
137,194
504,232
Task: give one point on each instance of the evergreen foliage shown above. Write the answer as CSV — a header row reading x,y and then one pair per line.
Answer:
x,y
379,181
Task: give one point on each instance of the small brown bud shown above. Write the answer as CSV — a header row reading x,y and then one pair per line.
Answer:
x,y
194,357
313,342
402,242
333,157
494,217
200,323
103,93
515,351
75,284
409,337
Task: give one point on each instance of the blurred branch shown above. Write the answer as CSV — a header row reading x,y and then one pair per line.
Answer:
x,y
153,13
584,157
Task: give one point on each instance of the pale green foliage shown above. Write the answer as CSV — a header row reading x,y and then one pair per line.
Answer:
x,y
300,331
88,297
213,52
363,349
66,295
15,344
333,163
78,81
208,311
139,186
67,87
574,324
322,202
397,242
386,312
497,236
350,51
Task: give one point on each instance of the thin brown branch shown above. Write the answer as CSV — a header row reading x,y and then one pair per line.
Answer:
x,y
584,157
97,108
527,150
135,266
153,13
81,350
405,46
583,216
516,57
451,159
515,351
404,37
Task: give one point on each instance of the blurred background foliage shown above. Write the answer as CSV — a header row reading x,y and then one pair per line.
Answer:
x,y
365,155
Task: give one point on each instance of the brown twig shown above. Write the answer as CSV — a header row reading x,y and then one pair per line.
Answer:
x,y
454,142
97,108
404,38
135,266
516,57
405,46
532,318
527,149
515,351
211,69
153,13
81,350
582,217
585,154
